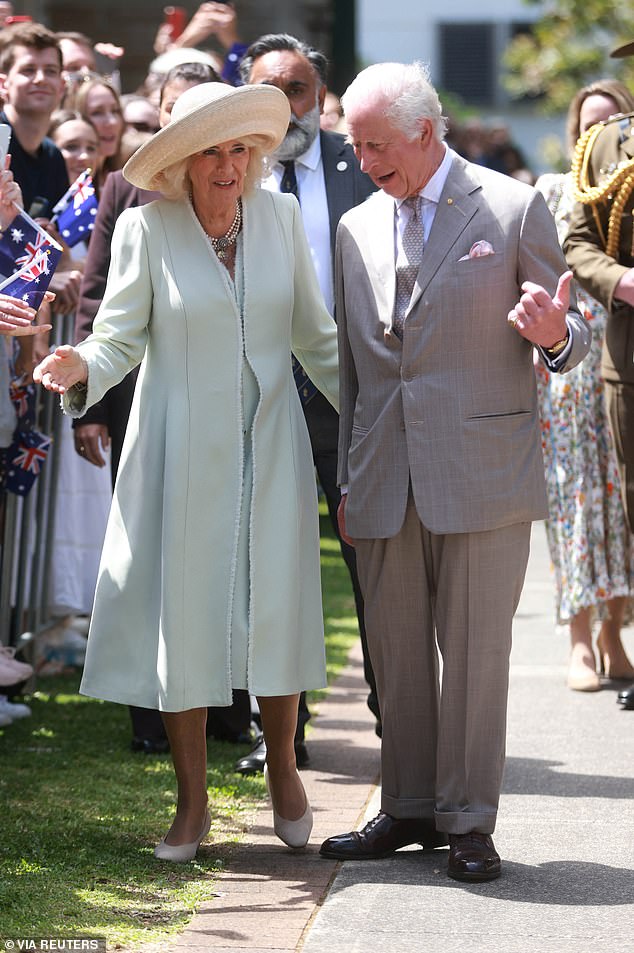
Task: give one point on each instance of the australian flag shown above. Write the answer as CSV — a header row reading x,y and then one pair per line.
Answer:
x,y
22,243
31,281
26,456
75,212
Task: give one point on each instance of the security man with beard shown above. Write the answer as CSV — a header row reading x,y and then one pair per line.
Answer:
x,y
320,169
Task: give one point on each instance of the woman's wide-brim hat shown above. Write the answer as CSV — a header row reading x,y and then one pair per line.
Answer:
x,y
204,116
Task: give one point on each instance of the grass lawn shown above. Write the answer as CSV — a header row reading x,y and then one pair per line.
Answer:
x,y
82,813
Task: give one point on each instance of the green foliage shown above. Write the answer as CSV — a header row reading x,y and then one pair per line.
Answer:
x,y
568,47
81,813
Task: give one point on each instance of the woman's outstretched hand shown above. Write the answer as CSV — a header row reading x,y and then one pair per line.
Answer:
x,y
61,369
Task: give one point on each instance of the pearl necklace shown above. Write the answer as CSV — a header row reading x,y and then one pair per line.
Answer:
x,y
222,245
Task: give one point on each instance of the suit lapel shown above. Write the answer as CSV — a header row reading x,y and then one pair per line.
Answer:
x,y
456,208
337,178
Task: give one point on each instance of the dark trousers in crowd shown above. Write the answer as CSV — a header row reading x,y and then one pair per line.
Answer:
x,y
323,427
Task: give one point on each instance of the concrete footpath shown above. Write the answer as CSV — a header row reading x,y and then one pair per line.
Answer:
x,y
565,830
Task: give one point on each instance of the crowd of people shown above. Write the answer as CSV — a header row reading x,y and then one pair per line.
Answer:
x,y
457,397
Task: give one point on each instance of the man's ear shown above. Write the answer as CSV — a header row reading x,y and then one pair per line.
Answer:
x,y
3,87
321,96
426,131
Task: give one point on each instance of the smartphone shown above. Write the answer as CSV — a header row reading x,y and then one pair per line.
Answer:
x,y
176,19
5,138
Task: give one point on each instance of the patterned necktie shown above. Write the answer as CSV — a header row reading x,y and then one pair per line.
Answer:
x,y
408,262
305,387
289,179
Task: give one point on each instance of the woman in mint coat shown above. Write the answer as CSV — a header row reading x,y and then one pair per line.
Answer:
x,y
209,578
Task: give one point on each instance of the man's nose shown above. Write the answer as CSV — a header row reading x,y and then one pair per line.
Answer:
x,y
365,160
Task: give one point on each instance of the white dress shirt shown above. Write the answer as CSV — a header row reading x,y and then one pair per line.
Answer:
x,y
309,172
430,194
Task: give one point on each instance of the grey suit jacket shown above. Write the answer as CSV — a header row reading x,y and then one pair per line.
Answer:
x,y
453,407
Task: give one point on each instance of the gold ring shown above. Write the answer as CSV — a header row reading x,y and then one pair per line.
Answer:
x,y
513,321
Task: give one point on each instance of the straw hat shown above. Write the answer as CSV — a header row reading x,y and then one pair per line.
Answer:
x,y
205,115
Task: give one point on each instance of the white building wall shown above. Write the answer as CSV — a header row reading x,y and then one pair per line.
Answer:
x,y
406,30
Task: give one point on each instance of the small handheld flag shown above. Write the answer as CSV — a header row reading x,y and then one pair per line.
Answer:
x,y
26,456
75,212
30,283
22,241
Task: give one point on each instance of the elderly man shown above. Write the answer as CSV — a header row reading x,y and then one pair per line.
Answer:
x,y
446,280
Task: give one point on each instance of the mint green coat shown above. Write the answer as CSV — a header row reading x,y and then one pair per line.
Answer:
x,y
161,626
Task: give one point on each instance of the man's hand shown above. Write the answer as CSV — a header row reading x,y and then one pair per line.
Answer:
x,y
624,291
210,19
538,317
109,50
341,520
90,440
65,284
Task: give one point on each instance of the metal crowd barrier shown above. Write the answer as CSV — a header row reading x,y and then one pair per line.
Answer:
x,y
29,527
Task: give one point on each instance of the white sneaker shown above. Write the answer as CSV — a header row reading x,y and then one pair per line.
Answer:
x,y
13,710
11,670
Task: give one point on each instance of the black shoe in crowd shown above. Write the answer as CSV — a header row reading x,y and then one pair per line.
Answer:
x,y
625,698
254,761
150,745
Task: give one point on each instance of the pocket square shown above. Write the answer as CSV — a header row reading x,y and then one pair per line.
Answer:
x,y
478,250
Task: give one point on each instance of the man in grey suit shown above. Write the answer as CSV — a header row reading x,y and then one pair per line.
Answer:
x,y
446,281
320,169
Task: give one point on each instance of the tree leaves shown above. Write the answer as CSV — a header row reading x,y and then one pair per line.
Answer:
x,y
569,47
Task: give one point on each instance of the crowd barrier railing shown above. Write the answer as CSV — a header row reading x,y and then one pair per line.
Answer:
x,y
29,527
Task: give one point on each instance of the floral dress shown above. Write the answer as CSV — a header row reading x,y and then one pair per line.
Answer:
x,y
588,537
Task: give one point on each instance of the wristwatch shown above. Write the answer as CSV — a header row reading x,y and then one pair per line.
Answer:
x,y
558,347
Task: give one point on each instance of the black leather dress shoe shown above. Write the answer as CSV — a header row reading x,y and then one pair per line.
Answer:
x,y
625,698
254,761
473,857
150,745
381,837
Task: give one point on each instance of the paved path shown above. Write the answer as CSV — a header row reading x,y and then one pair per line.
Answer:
x,y
565,831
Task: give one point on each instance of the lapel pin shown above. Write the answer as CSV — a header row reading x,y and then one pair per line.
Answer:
x,y
449,201
342,166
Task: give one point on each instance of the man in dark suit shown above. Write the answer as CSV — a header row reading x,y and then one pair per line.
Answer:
x,y
104,424
320,169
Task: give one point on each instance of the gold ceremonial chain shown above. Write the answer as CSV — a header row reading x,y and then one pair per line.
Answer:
x,y
222,245
619,185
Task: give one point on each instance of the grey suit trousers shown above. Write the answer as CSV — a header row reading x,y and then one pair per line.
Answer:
x,y
443,746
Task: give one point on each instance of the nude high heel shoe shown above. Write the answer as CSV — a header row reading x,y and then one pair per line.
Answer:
x,y
617,667
292,833
181,853
582,676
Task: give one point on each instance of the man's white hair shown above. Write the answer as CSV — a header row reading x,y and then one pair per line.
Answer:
x,y
405,94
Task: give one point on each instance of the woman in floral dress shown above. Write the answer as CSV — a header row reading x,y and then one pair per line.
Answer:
x,y
588,536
